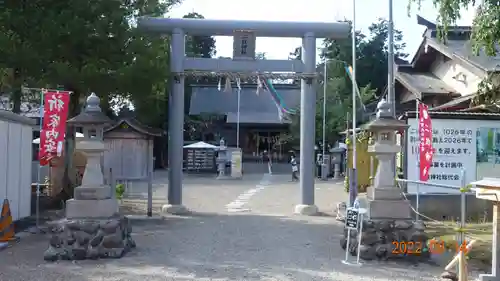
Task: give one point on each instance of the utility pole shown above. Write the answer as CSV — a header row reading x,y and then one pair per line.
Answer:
x,y
325,77
391,96
353,187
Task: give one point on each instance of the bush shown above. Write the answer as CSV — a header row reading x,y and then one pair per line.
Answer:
x,y
119,190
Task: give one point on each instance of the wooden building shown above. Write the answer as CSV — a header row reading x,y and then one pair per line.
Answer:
x,y
261,118
129,150
444,74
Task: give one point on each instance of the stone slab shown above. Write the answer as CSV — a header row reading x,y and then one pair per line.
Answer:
x,y
389,209
91,208
306,210
488,277
92,192
174,209
383,193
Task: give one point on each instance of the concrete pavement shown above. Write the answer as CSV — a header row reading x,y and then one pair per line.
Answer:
x,y
264,242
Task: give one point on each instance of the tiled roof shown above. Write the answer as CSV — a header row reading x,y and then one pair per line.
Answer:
x,y
136,125
423,83
454,102
259,108
463,49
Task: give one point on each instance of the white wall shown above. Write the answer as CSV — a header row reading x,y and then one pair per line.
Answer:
x,y
446,69
461,141
15,166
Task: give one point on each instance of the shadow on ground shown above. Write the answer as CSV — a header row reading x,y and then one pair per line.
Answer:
x,y
209,246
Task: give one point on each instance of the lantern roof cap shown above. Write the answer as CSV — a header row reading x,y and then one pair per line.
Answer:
x,y
92,114
385,120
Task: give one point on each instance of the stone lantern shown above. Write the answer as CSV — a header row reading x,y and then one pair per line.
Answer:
x,y
389,219
384,197
93,227
93,198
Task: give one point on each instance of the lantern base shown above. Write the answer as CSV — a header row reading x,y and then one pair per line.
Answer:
x,y
102,208
174,209
389,209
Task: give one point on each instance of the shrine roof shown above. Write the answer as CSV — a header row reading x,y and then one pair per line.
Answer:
x,y
254,108
456,115
136,125
423,83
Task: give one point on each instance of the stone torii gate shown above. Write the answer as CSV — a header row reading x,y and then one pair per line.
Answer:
x,y
243,64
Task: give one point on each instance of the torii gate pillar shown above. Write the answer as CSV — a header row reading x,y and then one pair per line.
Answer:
x,y
244,34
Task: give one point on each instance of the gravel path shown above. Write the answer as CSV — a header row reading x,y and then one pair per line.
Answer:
x,y
265,243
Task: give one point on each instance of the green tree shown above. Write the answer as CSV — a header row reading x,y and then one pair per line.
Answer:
x,y
199,46
371,54
486,30
83,46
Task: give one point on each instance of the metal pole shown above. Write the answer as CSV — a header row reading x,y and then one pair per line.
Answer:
x,y
238,114
39,175
347,245
417,203
353,188
325,77
460,236
360,235
390,62
463,203
150,194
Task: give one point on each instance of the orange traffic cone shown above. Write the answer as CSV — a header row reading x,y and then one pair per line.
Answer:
x,y
7,233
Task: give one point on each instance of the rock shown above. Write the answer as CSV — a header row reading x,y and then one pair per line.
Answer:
x,y
51,254
55,241
370,238
131,242
78,253
379,237
384,251
90,239
402,224
448,275
113,241
115,253
97,239
367,252
110,227
92,253
82,237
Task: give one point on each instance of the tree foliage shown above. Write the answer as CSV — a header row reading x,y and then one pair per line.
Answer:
x,y
371,69
83,47
486,24
485,38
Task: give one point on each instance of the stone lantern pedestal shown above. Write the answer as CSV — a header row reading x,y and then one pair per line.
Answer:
x,y
388,230
93,227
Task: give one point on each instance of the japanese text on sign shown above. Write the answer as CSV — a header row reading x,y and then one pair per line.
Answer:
x,y
454,154
351,218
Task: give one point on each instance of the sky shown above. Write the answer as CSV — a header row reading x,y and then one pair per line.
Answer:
x,y
367,12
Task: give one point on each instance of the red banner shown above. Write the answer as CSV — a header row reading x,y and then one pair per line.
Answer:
x,y
55,114
425,134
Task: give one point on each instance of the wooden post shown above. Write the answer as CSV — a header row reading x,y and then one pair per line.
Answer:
x,y
455,259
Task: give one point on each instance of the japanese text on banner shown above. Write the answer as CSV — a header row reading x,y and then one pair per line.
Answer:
x,y
426,149
55,105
